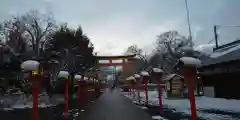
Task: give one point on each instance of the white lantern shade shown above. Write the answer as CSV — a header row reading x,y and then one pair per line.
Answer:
x,y
30,65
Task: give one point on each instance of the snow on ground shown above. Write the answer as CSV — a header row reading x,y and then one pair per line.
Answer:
x,y
183,105
20,101
158,118
201,102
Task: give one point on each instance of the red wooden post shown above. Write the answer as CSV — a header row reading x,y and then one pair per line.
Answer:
x,y
134,87
189,72
79,93
138,83
86,89
64,75
66,100
145,77
35,81
33,67
78,78
157,74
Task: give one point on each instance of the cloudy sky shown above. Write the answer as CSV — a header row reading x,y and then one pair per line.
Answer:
x,y
113,25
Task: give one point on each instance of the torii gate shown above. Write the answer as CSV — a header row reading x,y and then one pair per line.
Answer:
x,y
125,61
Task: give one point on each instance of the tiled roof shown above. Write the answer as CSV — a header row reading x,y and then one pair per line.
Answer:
x,y
226,53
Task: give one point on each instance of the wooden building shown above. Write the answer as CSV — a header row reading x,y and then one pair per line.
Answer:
x,y
222,71
175,85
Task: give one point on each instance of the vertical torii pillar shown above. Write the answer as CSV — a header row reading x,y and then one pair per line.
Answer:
x,y
189,71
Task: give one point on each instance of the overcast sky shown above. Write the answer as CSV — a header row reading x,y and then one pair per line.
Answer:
x,y
113,25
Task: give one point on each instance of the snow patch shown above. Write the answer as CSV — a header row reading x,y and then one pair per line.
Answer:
x,y
157,70
158,118
190,61
144,73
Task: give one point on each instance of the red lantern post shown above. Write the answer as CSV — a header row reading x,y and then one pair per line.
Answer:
x,y
78,78
86,89
145,78
157,74
189,71
33,67
134,81
138,85
64,75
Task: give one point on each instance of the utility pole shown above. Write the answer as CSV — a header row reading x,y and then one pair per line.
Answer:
x,y
189,23
215,35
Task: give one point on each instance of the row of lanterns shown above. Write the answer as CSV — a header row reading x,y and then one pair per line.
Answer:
x,y
33,67
189,72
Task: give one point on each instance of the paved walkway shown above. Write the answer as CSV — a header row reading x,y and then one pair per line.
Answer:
x,y
113,106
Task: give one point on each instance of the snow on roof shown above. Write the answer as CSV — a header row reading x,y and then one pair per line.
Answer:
x,y
64,74
78,77
190,61
169,77
157,70
30,65
225,50
144,73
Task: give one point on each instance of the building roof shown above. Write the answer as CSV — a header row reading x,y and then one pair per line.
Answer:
x,y
115,57
171,76
224,53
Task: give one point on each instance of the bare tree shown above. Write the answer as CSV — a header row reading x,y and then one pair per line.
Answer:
x,y
142,61
33,27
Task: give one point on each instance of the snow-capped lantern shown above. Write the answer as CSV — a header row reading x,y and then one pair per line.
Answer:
x,y
144,77
157,75
190,64
33,66
63,75
85,79
30,65
144,80
190,61
78,77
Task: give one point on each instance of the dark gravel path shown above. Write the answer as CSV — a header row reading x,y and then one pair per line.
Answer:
x,y
113,106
